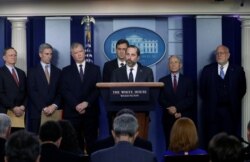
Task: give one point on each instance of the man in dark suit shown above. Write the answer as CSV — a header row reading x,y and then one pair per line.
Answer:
x,y
177,96
5,128
50,135
80,95
109,141
133,71
43,88
120,61
12,85
124,132
222,86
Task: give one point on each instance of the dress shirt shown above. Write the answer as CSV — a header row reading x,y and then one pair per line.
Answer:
x,y
120,62
43,65
177,78
224,68
83,66
134,71
10,69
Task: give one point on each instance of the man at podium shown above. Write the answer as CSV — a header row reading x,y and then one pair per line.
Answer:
x,y
135,72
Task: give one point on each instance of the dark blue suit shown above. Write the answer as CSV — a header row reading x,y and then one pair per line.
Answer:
x,y
144,74
183,100
123,152
222,99
108,69
75,91
41,94
11,95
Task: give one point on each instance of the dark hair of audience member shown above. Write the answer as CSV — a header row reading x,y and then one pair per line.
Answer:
x,y
22,146
183,135
50,131
69,141
225,148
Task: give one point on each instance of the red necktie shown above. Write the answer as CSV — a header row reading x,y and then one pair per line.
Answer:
x,y
14,76
175,84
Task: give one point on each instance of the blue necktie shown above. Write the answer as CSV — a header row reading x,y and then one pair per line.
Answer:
x,y
222,75
175,84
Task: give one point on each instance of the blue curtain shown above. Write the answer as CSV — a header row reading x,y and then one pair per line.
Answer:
x,y
190,53
35,37
231,37
76,30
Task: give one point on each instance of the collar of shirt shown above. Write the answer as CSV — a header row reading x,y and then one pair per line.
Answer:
x,y
119,63
177,76
43,65
10,69
83,66
225,67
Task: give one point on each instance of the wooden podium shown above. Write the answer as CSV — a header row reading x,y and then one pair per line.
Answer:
x,y
140,97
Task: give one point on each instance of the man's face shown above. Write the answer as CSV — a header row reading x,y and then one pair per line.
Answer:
x,y
174,65
222,55
121,51
131,56
78,54
10,57
46,55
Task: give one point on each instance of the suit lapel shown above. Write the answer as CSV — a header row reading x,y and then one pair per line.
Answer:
x,y
139,74
8,73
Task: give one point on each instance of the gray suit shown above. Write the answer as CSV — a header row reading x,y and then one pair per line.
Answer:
x,y
123,152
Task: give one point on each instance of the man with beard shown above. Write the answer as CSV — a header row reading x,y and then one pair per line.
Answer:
x,y
134,72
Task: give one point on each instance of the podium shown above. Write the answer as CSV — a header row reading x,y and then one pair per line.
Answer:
x,y
141,97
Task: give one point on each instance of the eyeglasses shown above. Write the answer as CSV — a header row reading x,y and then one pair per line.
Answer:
x,y
221,53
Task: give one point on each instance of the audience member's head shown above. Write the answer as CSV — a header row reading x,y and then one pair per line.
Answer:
x,y
125,128
5,126
22,146
125,111
51,131
69,138
183,135
225,148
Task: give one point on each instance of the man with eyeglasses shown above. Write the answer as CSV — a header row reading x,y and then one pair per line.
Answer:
x,y
222,86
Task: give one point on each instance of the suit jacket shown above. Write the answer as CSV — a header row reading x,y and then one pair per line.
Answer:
x,y
42,94
108,69
123,152
144,74
109,142
236,89
74,91
2,149
11,94
50,153
184,97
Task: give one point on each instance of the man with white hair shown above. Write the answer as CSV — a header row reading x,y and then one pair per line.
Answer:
x,y
125,130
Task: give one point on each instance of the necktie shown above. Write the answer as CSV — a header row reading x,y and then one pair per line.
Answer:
x,y
175,83
122,64
15,76
222,75
81,72
47,72
130,77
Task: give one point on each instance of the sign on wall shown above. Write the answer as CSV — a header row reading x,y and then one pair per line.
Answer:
x,y
151,45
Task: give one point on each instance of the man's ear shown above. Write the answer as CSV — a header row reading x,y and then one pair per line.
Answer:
x,y
113,134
